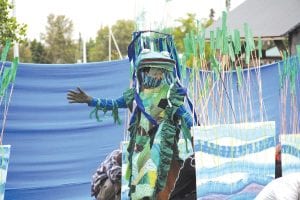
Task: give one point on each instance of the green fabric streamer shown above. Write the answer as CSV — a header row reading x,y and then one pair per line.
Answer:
x,y
201,39
216,67
231,53
284,73
249,37
239,75
225,47
95,112
250,45
236,41
187,46
14,69
212,43
298,52
5,81
5,51
219,39
224,20
193,44
248,53
115,113
293,75
224,34
251,40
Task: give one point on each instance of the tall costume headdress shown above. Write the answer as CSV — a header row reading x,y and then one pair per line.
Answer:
x,y
156,49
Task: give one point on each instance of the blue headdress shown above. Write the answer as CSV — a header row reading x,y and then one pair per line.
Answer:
x,y
157,49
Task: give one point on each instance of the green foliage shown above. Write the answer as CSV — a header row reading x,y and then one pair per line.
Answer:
x,y
10,29
122,31
38,52
98,49
60,47
25,52
186,25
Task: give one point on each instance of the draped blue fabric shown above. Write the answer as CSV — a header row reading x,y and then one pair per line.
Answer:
x,y
55,146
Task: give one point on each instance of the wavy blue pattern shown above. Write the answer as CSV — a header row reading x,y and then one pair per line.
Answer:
x,y
233,167
227,189
234,151
291,150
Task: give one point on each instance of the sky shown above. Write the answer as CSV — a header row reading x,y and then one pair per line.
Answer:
x,y
89,15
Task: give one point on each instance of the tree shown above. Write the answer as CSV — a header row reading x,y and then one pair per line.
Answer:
x,y
90,47
60,47
38,52
25,52
9,27
122,31
98,49
191,25
186,26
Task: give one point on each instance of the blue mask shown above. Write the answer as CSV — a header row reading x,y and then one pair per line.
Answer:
x,y
150,82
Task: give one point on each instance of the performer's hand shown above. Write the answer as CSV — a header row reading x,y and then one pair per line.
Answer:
x,y
78,96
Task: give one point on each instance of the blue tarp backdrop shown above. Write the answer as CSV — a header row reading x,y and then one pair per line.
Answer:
x,y
55,146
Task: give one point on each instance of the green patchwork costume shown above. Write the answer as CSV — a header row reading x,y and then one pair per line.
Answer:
x,y
158,116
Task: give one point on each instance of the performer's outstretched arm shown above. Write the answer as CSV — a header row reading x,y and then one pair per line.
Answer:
x,y
79,96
